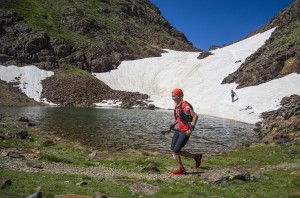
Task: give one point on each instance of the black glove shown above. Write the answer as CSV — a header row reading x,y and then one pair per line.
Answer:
x,y
172,126
192,127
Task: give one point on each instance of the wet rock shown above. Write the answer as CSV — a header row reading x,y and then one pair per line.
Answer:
x,y
23,119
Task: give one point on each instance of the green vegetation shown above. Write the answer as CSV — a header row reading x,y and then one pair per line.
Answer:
x,y
257,159
43,16
68,71
24,184
281,184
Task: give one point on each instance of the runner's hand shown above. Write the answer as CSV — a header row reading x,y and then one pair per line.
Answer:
x,y
172,126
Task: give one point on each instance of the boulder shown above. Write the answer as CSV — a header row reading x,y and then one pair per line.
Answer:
x,y
220,176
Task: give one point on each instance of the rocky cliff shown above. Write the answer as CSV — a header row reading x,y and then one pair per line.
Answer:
x,y
92,35
75,38
278,57
281,125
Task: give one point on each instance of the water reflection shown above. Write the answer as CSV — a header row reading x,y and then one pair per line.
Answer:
x,y
109,129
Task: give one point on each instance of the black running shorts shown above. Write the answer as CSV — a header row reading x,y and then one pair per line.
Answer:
x,y
179,140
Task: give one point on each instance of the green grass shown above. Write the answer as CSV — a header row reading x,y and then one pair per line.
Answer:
x,y
250,158
254,157
24,184
42,16
67,71
59,152
278,182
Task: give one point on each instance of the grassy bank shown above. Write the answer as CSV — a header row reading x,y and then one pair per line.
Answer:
x,y
280,184
273,163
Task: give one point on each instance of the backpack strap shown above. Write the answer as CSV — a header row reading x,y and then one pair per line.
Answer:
x,y
182,115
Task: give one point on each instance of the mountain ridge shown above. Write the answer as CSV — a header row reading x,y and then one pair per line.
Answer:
x,y
60,35
278,57
94,36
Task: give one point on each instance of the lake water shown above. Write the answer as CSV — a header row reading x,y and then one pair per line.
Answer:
x,y
111,129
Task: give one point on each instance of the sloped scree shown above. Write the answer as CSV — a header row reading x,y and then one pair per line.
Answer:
x,y
282,125
84,91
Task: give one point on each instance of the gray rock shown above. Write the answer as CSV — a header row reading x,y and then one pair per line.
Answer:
x,y
82,183
5,183
100,195
227,175
142,188
35,195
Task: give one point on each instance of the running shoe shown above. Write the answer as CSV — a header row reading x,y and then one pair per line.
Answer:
x,y
179,171
198,159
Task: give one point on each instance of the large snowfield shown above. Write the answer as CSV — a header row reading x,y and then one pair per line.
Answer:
x,y
200,81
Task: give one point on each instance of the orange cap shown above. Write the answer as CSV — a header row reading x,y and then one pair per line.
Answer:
x,y
178,92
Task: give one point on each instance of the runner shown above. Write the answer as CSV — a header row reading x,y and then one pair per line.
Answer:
x,y
186,119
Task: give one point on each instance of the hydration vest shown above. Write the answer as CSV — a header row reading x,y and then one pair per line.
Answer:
x,y
183,116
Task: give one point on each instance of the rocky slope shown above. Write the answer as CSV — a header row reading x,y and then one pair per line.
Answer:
x,y
84,91
94,36
12,96
281,125
278,57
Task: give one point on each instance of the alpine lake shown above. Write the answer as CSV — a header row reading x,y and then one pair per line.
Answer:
x,y
113,128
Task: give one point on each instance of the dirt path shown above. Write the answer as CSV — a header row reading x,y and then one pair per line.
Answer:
x,y
99,171
105,172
